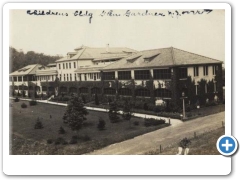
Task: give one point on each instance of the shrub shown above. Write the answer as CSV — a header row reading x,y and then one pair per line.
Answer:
x,y
60,140
65,98
153,122
32,103
86,138
23,105
38,124
136,123
101,124
61,130
151,107
96,100
113,112
185,142
145,106
16,99
73,140
49,141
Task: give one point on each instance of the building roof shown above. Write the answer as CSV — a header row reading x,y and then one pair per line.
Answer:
x,y
99,53
27,70
89,69
163,57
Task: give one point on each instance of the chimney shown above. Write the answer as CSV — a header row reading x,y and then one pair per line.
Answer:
x,y
107,48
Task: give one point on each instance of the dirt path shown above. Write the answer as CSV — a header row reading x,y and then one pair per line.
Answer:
x,y
166,136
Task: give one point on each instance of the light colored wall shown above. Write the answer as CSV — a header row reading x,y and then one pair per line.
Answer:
x,y
200,76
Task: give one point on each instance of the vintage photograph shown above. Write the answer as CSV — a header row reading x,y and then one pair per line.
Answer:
x,y
116,82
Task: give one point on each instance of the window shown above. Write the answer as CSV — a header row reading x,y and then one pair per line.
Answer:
x,y
83,90
205,70
19,78
66,65
14,78
63,66
108,75
60,77
75,77
124,75
125,92
95,90
142,74
69,65
70,77
214,69
142,92
196,73
64,77
109,91
67,77
74,64
162,93
80,77
59,66
182,73
162,74
85,77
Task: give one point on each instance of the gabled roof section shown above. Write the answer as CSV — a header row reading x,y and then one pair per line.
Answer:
x,y
27,70
84,53
182,57
164,57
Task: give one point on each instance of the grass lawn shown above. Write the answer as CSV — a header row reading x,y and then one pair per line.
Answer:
x,y
27,140
204,144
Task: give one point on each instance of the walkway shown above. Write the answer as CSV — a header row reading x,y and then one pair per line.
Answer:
x,y
172,134
173,121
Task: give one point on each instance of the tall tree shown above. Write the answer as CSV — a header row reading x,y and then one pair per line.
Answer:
x,y
113,112
75,113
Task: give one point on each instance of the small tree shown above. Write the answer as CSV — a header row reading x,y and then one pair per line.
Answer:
x,y
96,100
113,112
127,114
83,99
61,130
101,124
38,124
75,113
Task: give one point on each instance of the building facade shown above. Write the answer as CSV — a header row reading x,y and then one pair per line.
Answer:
x,y
158,74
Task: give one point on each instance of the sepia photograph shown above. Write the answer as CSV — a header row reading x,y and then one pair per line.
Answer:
x,y
116,81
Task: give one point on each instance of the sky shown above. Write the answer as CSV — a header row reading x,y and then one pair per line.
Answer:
x,y
58,34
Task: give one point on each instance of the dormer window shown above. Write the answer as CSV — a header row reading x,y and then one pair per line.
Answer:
x,y
133,58
150,57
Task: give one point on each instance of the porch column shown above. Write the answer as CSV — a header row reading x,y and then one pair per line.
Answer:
x,y
132,74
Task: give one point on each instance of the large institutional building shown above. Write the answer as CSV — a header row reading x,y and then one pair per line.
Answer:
x,y
157,73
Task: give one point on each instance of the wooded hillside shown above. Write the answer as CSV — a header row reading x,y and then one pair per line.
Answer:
x,y
18,59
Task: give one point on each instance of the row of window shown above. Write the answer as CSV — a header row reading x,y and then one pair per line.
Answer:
x,y
139,74
46,78
67,65
68,77
205,70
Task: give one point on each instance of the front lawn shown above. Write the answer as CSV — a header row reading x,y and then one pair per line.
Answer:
x,y
27,140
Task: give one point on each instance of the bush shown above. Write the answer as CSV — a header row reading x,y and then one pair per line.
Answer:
x,y
61,130
38,124
16,99
101,124
145,106
73,140
153,122
136,123
65,98
60,140
23,105
184,143
86,138
32,103
49,141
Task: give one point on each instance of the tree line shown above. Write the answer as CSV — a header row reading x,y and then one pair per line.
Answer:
x,y
19,59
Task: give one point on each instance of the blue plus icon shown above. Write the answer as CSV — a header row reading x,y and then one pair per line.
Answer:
x,y
227,145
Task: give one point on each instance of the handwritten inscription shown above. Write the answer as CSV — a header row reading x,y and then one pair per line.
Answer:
x,y
127,13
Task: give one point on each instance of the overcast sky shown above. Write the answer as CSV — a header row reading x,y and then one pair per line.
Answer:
x,y
202,34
